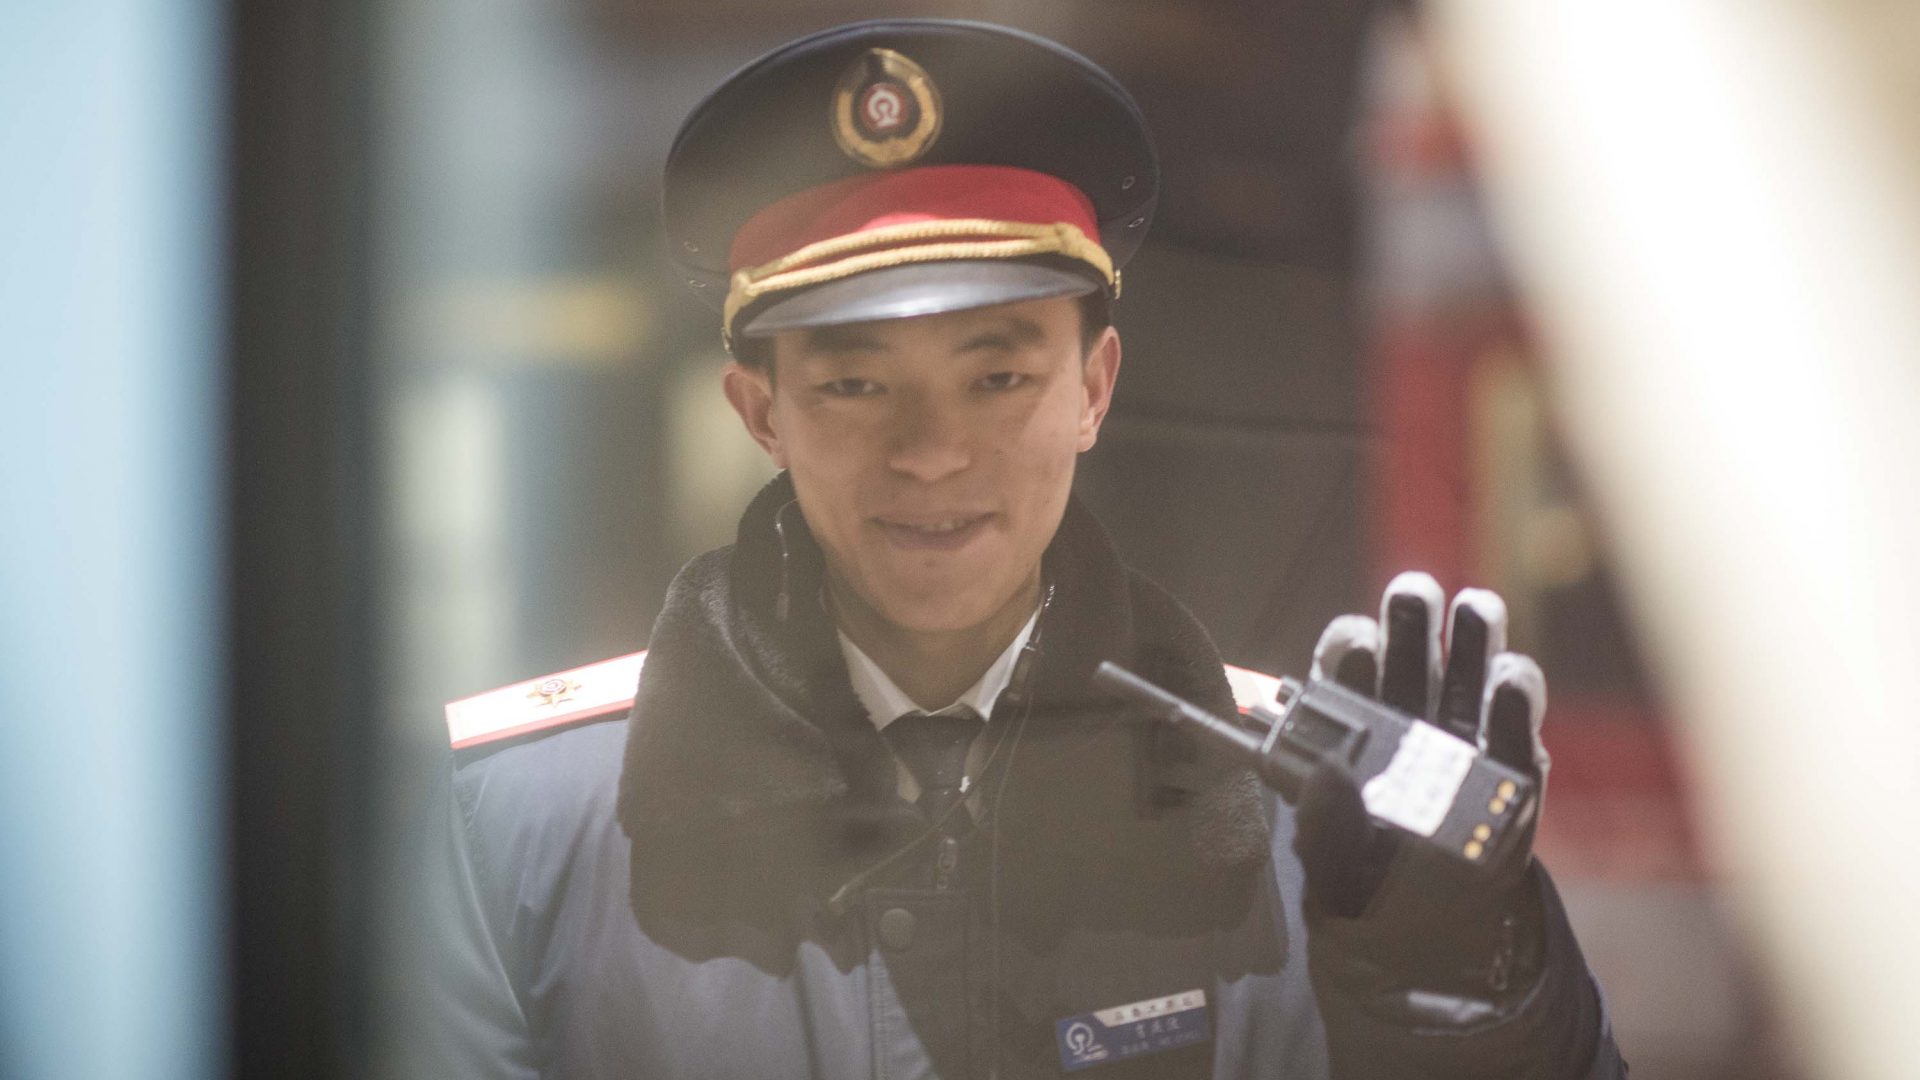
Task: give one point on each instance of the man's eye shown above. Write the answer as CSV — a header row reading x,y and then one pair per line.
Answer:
x,y
850,387
1002,380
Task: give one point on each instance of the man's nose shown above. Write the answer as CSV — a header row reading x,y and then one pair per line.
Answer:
x,y
930,440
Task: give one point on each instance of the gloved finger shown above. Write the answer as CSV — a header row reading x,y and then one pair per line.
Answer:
x,y
1410,647
1348,652
1476,631
1344,853
1514,706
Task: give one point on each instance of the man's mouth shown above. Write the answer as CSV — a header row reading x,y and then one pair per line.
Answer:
x,y
934,533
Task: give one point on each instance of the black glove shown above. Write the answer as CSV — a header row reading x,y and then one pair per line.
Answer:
x,y
1406,941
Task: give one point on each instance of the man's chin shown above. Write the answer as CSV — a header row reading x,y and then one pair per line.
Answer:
x,y
936,618
940,611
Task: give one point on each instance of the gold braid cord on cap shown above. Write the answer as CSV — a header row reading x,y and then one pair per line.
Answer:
x,y
913,242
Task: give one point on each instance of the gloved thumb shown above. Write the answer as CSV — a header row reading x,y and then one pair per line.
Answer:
x,y
1344,853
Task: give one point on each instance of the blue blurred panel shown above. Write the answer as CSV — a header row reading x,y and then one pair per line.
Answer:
x,y
110,730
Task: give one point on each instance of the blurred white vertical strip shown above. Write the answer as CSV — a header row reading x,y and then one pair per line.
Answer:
x,y
111,810
1713,207
483,112
454,590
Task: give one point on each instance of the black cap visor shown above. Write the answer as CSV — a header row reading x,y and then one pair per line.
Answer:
x,y
904,292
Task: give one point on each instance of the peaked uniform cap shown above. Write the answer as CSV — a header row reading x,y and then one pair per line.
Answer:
x,y
1014,169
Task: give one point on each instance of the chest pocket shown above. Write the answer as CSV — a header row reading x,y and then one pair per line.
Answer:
x,y
922,983
933,1014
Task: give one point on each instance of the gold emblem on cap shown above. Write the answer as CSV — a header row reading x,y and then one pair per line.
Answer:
x,y
886,111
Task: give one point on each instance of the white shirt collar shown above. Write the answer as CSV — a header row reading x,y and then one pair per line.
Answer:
x,y
886,702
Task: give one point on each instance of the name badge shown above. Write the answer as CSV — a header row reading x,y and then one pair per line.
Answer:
x,y
1128,1031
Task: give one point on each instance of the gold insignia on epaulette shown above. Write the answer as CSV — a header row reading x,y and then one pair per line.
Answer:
x,y
553,691
551,701
886,110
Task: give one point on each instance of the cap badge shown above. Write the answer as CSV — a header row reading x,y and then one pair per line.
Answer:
x,y
553,691
886,111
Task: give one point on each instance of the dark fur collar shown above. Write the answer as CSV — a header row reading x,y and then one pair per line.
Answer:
x,y
746,730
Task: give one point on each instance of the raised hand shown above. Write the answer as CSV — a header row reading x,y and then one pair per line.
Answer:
x,y
1466,684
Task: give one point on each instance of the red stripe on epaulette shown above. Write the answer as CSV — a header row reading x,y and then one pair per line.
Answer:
x,y
566,697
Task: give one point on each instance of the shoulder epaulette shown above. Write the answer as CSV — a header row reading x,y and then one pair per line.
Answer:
x,y
584,693
557,700
1251,688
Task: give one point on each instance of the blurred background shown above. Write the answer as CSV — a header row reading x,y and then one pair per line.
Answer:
x,y
347,375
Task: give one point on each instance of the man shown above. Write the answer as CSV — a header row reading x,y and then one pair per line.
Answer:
x,y
868,817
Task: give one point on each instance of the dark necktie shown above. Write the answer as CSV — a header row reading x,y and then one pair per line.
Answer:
x,y
934,749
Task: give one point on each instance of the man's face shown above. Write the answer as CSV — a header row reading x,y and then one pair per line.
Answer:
x,y
933,456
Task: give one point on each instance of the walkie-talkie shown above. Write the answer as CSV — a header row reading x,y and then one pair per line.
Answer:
x,y
1437,788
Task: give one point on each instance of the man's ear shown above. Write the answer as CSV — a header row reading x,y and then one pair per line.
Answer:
x,y
750,392
1098,374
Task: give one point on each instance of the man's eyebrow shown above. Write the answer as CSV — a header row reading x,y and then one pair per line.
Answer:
x,y
839,339
1014,332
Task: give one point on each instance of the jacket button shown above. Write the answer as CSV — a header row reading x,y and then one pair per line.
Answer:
x,y
896,929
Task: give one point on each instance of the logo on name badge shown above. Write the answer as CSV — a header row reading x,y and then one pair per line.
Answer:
x,y
886,111
1130,1031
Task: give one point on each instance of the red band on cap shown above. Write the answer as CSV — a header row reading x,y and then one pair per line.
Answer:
x,y
929,193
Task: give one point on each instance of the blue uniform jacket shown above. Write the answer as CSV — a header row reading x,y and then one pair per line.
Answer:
x,y
727,884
